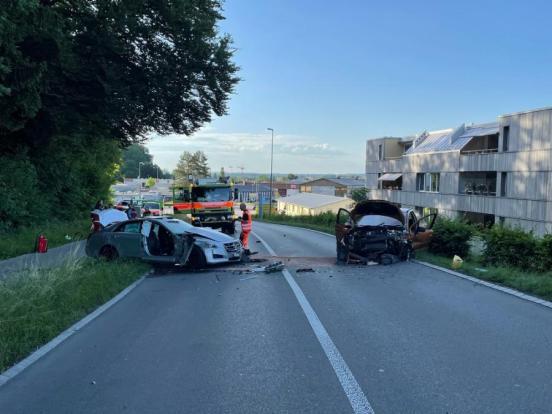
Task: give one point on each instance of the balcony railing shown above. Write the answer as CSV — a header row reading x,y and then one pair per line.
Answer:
x,y
480,151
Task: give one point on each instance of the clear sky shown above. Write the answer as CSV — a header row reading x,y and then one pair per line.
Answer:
x,y
327,75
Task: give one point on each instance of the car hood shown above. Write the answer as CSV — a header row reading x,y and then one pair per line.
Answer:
x,y
380,208
211,234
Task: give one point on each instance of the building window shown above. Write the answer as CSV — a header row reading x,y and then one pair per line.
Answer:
x,y
503,179
505,138
380,152
428,182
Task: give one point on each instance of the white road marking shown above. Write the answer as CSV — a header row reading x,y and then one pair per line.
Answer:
x,y
508,291
350,386
43,350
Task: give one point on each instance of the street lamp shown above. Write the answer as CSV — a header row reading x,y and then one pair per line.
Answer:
x,y
140,178
271,159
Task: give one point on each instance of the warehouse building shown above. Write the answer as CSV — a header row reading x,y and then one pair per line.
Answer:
x,y
308,204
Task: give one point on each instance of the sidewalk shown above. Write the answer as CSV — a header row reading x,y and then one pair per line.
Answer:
x,y
52,258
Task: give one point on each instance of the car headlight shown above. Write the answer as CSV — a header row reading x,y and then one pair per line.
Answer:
x,y
205,244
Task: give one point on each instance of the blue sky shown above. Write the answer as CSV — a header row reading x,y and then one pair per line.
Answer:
x,y
328,75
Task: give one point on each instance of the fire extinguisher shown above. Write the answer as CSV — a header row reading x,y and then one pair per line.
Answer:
x,y
41,244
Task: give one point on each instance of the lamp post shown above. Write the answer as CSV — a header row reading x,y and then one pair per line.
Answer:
x,y
271,159
140,179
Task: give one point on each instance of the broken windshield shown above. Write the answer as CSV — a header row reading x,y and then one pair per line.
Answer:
x,y
210,194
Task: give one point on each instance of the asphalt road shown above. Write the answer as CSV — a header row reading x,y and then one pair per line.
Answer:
x,y
415,340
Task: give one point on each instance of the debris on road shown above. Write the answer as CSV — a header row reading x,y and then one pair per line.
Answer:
x,y
248,278
274,267
304,269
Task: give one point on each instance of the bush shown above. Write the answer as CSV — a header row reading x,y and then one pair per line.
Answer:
x,y
513,247
451,237
544,254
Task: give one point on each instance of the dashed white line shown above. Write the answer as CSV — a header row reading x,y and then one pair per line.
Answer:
x,y
350,386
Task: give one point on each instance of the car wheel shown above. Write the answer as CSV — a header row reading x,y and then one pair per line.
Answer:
x,y
109,253
341,253
197,258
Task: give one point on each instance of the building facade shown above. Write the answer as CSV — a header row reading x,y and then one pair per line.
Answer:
x,y
499,172
340,187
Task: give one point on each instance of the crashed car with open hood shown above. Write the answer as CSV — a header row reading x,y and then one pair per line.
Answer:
x,y
162,241
380,231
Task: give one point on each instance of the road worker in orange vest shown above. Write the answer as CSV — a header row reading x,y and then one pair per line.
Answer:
x,y
246,225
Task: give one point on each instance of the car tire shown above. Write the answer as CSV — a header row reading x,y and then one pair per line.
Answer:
x,y
109,253
197,258
341,253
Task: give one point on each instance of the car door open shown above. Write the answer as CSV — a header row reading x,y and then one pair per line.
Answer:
x,y
160,245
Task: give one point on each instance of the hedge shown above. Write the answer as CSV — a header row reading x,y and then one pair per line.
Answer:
x,y
451,237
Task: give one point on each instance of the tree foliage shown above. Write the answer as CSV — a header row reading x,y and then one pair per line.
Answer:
x,y
194,165
79,80
359,194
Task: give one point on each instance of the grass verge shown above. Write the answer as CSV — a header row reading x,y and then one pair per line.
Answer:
x,y
38,304
292,221
537,284
21,241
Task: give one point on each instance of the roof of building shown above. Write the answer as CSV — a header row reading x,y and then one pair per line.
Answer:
x,y
252,188
311,200
450,139
342,182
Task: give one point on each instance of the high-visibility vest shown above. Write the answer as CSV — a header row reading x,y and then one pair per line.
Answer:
x,y
247,225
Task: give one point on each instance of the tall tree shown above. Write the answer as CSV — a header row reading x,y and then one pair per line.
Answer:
x,y
80,79
194,165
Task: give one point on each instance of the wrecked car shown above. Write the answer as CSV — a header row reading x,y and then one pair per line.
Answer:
x,y
163,241
380,231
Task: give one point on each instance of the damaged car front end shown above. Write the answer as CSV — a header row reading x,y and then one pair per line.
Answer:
x,y
374,231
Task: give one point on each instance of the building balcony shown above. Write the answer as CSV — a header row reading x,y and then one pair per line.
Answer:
x,y
477,183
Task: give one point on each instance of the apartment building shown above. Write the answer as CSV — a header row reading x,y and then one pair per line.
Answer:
x,y
499,172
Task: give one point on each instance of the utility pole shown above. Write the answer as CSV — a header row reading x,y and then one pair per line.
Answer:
x,y
271,159
140,179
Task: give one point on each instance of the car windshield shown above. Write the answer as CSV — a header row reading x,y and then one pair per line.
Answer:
x,y
177,226
210,194
152,206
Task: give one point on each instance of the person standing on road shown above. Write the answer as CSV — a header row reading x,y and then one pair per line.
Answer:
x,y
246,225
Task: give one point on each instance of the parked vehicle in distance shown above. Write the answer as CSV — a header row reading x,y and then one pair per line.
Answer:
x,y
151,208
377,230
164,241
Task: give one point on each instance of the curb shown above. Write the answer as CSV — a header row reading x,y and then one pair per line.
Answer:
x,y
502,289
44,349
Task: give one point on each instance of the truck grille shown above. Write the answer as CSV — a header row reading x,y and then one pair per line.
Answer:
x,y
232,247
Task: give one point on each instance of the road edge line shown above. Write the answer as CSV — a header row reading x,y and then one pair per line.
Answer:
x,y
349,384
16,369
490,285
503,289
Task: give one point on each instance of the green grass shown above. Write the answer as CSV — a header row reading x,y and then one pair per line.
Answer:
x,y
324,223
21,241
36,305
538,284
